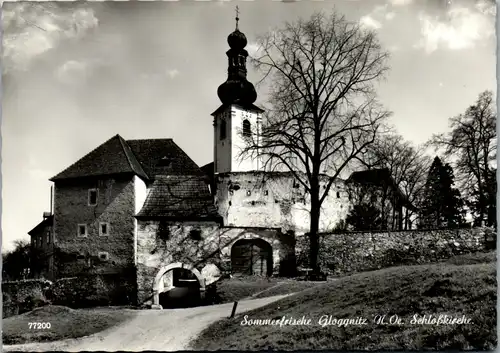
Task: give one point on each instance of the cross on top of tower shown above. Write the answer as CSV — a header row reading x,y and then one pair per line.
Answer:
x,y
237,15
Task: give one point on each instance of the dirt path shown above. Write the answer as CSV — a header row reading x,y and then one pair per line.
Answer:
x,y
163,330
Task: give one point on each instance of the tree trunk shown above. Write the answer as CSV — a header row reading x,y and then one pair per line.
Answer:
x,y
314,230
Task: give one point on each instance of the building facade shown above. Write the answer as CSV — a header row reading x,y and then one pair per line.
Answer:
x,y
145,205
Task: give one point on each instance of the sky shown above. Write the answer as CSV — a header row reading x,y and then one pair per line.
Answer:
x,y
77,73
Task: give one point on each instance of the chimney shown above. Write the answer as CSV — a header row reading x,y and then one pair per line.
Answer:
x,y
51,198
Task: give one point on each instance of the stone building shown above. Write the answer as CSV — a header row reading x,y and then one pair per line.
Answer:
x,y
145,206
42,242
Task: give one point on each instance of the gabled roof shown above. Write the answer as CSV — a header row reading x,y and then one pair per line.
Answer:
x,y
163,156
371,176
144,158
47,222
179,197
112,157
379,177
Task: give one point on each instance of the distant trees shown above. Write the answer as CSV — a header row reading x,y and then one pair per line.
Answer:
x,y
18,264
364,217
324,110
408,166
442,206
471,147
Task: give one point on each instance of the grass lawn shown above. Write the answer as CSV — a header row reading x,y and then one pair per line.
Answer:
x,y
65,323
454,288
235,289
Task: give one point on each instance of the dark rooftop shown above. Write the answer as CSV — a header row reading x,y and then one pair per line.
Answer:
x,y
179,197
47,222
379,177
144,158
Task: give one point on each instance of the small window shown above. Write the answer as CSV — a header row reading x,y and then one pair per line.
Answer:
x,y
165,162
222,130
266,192
247,129
48,237
92,197
249,193
338,195
195,234
103,228
103,256
82,230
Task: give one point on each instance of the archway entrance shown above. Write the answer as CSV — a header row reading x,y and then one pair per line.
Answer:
x,y
252,257
178,285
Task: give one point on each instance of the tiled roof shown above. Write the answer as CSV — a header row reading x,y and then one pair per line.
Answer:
x,y
208,170
162,157
112,157
179,197
144,158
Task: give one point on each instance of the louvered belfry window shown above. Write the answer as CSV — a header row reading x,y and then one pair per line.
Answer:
x,y
247,129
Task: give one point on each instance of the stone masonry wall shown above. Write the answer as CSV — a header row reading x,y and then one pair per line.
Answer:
x,y
160,244
255,199
346,253
115,205
22,296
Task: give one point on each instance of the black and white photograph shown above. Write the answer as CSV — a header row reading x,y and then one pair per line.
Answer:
x,y
249,175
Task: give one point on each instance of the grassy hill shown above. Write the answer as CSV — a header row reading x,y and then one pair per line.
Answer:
x,y
64,323
456,288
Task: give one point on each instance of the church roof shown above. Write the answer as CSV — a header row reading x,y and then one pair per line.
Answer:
x,y
112,157
179,197
144,158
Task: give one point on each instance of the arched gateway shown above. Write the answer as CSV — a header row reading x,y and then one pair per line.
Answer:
x,y
252,257
171,267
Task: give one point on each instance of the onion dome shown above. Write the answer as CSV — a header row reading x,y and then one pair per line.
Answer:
x,y
237,89
237,40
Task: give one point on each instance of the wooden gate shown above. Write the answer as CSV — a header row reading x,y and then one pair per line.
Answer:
x,y
251,257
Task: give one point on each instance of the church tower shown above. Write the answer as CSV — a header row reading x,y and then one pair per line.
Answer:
x,y
237,122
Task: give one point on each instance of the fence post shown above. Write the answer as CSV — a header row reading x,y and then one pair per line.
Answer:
x,y
234,310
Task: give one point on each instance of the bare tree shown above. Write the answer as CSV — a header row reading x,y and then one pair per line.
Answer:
x,y
408,165
324,110
471,147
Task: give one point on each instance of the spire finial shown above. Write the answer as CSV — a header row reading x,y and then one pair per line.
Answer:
x,y
237,18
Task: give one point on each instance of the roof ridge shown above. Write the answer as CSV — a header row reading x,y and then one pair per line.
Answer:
x,y
156,139
84,156
129,154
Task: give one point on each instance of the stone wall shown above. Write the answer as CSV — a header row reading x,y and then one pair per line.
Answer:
x,y
115,205
75,292
275,200
22,296
95,290
346,253
160,244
